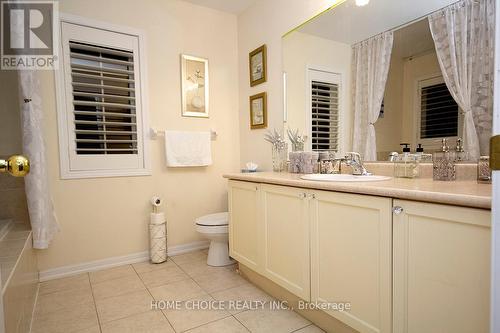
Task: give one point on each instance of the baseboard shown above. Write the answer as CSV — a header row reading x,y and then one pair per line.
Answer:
x,y
65,271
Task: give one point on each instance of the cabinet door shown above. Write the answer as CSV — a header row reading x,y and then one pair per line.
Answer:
x,y
244,228
286,238
351,257
441,268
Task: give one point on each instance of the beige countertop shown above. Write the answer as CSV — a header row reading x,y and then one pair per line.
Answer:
x,y
466,193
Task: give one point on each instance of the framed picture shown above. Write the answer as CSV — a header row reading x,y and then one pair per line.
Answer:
x,y
257,61
258,111
194,81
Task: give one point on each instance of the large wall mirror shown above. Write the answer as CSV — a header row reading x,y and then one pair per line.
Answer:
x,y
369,78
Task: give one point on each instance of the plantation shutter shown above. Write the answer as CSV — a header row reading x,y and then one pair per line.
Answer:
x,y
324,115
103,89
439,113
101,104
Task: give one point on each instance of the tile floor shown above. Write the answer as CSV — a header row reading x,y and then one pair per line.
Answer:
x,y
119,300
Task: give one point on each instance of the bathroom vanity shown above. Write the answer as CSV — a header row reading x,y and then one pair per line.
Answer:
x,y
409,255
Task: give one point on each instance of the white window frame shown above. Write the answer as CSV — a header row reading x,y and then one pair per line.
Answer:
x,y
433,143
321,73
92,166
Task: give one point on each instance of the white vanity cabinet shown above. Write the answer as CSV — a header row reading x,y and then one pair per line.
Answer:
x,y
404,266
244,226
285,234
351,248
441,268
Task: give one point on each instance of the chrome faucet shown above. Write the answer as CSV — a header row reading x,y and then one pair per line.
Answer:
x,y
354,160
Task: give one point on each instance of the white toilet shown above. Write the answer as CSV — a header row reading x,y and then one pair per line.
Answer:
x,y
215,228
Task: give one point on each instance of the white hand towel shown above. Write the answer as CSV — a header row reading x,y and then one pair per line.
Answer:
x,y
188,149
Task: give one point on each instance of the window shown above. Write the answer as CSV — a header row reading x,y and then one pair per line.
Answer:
x,y
324,98
439,114
101,103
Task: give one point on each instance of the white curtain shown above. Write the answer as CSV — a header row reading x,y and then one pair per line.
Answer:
x,y
370,65
463,34
40,207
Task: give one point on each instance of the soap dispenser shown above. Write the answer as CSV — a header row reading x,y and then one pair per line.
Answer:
x,y
419,152
461,154
444,163
406,164
406,148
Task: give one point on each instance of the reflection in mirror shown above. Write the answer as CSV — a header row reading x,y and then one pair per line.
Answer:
x,y
374,78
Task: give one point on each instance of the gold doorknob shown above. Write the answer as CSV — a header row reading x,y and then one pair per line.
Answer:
x,y
16,165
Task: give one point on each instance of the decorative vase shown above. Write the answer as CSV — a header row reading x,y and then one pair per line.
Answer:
x,y
280,156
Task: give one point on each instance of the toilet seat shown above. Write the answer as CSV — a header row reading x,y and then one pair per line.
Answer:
x,y
221,229
213,220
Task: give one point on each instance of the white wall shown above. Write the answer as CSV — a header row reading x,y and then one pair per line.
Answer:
x,y
302,50
265,23
388,128
102,218
415,70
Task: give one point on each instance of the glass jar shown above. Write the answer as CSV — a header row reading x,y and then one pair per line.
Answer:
x,y
444,165
280,156
483,170
406,166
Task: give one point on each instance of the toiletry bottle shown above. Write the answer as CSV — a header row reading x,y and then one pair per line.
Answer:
x,y
462,155
422,157
483,170
444,163
406,147
406,164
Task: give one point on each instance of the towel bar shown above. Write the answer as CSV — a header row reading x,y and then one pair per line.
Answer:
x,y
153,134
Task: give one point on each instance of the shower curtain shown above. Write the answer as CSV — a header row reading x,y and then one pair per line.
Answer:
x,y
463,34
370,66
41,211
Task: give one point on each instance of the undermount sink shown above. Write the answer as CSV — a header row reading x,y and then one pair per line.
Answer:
x,y
344,178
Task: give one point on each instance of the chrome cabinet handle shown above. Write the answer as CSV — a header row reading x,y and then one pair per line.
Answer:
x,y
397,210
313,196
302,195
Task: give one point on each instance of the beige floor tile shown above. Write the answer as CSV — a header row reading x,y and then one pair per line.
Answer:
x,y
70,283
177,291
310,329
163,276
94,329
226,325
276,321
111,273
119,307
191,256
144,267
68,320
148,322
117,287
220,280
238,297
199,267
193,314
57,301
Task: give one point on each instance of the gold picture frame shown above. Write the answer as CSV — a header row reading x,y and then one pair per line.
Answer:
x,y
258,111
257,61
194,82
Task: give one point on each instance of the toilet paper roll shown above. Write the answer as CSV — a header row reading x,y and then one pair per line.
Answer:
x,y
157,218
157,231
158,243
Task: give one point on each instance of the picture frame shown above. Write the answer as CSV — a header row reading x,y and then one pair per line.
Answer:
x,y
258,111
257,61
194,86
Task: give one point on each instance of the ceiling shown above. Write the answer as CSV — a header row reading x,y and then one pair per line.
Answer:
x,y
231,6
413,40
348,23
